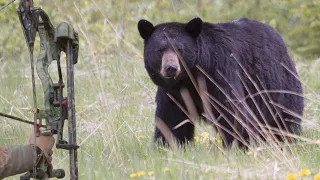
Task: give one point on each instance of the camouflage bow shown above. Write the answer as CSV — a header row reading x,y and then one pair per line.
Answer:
x,y
57,108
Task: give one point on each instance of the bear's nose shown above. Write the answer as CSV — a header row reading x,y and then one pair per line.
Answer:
x,y
170,70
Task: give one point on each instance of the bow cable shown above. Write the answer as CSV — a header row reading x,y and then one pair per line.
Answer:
x,y
3,7
30,43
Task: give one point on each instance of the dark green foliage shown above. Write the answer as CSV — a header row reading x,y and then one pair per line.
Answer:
x,y
297,20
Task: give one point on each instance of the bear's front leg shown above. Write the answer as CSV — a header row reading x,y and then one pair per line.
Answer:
x,y
168,111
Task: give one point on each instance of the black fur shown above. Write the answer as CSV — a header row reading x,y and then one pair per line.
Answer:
x,y
219,49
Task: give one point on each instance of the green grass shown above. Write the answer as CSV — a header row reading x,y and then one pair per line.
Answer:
x,y
115,104
115,111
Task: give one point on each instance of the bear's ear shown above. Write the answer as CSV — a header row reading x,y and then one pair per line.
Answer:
x,y
145,28
194,27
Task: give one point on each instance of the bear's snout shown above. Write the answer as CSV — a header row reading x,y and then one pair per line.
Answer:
x,y
170,66
171,70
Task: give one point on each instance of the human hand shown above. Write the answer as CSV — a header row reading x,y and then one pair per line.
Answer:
x,y
45,143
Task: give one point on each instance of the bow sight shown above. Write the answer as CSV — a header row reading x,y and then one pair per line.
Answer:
x,y
57,108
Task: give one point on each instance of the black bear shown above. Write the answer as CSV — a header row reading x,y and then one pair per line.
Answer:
x,y
252,83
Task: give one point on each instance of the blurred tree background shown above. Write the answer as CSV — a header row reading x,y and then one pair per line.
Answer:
x,y
110,25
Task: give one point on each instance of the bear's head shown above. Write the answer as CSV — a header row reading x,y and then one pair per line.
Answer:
x,y
167,46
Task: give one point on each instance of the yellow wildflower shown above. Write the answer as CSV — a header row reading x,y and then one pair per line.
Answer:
x,y
219,141
134,175
141,173
292,176
204,134
151,173
304,172
95,52
197,139
316,177
166,169
141,137
249,153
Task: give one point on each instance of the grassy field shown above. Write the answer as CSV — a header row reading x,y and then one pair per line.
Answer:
x,y
115,107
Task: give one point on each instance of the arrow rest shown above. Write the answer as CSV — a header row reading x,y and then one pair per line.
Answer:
x,y
57,107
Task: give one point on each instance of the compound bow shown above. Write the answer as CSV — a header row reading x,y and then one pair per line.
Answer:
x,y
57,108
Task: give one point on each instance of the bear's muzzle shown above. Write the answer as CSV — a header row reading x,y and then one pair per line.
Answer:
x,y
170,66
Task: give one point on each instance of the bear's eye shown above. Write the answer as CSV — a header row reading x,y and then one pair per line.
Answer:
x,y
160,50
